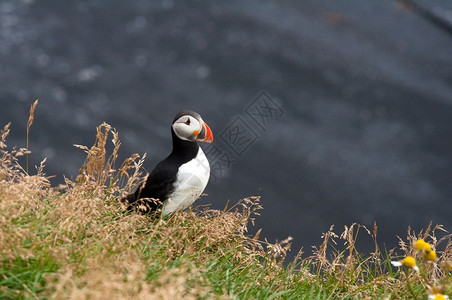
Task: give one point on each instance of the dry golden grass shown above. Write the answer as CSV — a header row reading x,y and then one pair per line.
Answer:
x,y
77,242
101,250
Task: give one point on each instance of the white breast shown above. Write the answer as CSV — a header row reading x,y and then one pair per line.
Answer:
x,y
191,181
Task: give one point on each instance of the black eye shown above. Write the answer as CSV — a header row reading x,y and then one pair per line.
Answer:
x,y
188,121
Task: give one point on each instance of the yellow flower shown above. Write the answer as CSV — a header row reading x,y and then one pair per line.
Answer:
x,y
430,255
422,245
425,247
438,297
408,262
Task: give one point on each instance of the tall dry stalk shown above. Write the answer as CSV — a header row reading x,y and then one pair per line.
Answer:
x,y
99,169
31,118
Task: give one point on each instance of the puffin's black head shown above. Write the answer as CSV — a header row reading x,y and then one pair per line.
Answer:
x,y
189,126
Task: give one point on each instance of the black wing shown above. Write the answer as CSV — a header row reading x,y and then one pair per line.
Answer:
x,y
159,185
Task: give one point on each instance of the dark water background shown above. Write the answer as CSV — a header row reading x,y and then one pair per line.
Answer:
x,y
360,94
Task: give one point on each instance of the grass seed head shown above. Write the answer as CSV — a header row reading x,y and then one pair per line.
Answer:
x,y
31,115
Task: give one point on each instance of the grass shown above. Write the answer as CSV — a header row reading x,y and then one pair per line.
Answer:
x,y
76,241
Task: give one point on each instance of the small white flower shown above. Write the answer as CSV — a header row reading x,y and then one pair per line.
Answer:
x,y
408,262
438,297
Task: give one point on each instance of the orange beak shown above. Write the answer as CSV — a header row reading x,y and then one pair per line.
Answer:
x,y
206,134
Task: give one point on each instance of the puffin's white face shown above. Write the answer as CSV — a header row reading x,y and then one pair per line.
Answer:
x,y
190,127
187,128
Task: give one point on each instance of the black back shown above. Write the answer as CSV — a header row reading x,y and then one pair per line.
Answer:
x,y
160,182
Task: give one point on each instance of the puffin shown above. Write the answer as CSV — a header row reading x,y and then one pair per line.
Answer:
x,y
178,180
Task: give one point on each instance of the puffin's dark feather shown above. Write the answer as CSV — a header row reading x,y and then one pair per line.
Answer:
x,y
160,182
187,113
